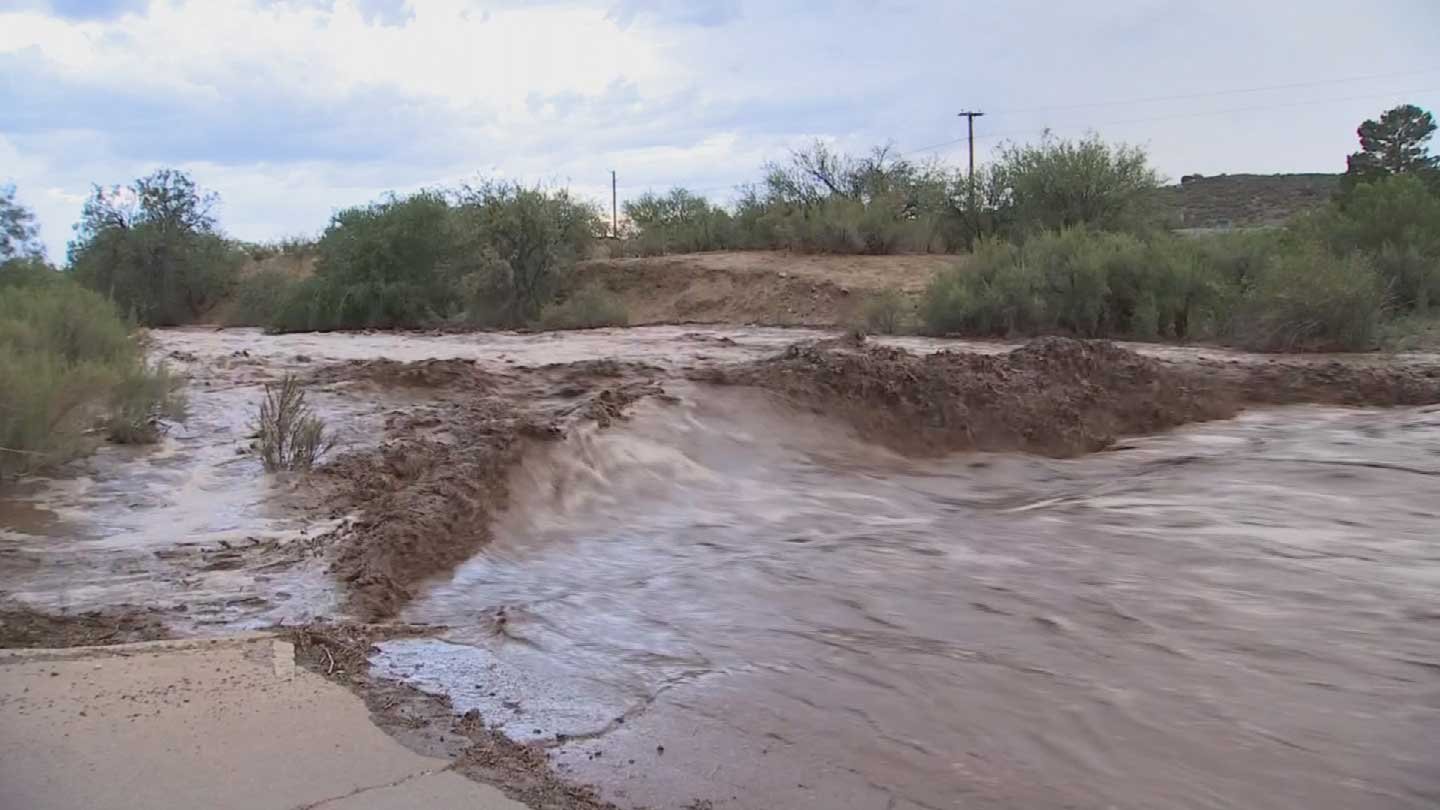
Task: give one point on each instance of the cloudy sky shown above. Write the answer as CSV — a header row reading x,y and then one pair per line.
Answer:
x,y
293,108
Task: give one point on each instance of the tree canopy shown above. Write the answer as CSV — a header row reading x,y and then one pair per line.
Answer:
x,y
1396,143
153,248
19,236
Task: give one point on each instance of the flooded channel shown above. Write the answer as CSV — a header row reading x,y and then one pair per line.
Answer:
x,y
724,599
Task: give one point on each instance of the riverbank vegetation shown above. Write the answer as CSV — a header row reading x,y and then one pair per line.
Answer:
x,y
72,373
1059,236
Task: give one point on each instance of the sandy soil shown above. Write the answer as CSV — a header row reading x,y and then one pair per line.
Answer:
x,y
761,287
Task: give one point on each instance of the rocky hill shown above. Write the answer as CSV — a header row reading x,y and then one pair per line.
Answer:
x,y
1243,200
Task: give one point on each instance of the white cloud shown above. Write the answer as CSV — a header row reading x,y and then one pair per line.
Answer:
x,y
291,108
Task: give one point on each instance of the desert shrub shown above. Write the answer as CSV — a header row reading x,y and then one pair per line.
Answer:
x,y
288,434
258,298
1059,183
1078,282
884,312
587,308
142,399
390,264
1312,299
678,222
995,293
527,241
1396,221
27,272
68,365
154,250
1412,277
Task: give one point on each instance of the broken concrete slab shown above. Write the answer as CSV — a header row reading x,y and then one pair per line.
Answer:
x,y
226,723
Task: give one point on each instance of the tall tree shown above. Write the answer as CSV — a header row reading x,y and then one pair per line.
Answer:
x,y
1397,143
19,236
153,248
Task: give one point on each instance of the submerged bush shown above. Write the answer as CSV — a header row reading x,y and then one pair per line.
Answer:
x,y
288,434
70,372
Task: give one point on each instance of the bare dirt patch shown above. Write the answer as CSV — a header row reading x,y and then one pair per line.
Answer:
x,y
759,287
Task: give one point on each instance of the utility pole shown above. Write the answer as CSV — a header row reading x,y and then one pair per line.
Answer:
x,y
970,123
614,208
974,215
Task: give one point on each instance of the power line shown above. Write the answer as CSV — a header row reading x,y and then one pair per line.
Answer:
x,y
1146,119
1217,93
1172,117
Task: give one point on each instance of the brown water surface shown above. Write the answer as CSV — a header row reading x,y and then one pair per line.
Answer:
x,y
725,599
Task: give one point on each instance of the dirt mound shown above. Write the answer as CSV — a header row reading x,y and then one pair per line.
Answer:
x,y
425,497
759,287
23,627
433,373
1354,383
1054,395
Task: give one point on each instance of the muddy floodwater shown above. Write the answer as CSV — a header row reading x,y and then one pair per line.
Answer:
x,y
724,598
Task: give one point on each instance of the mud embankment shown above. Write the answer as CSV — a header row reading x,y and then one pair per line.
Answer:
x,y
425,496
1052,396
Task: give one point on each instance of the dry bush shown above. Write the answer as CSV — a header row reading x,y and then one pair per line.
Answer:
x,y
288,434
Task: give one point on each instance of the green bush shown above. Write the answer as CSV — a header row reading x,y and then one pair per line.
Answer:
x,y
258,298
588,308
68,365
1313,300
1060,183
289,436
387,265
27,272
528,241
1396,221
884,312
142,398
1262,293
678,222
153,249
995,293
491,255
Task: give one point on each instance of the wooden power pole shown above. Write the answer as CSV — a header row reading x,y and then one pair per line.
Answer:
x,y
614,208
970,123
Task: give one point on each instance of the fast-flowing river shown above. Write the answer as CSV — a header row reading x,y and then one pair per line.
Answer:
x,y
725,599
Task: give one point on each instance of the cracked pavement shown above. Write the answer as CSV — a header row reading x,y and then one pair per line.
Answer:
x,y
223,723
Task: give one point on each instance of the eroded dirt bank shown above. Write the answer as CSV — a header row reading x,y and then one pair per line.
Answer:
x,y
1054,396
425,497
